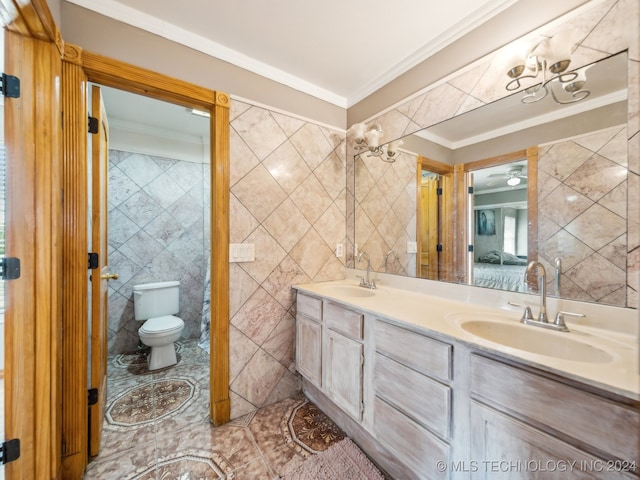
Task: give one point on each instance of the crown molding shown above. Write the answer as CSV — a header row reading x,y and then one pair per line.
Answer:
x,y
577,108
130,16
460,29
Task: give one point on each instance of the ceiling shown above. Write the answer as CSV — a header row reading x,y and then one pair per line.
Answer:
x,y
336,50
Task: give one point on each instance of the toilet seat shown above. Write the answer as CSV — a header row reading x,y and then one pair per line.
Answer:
x,y
158,325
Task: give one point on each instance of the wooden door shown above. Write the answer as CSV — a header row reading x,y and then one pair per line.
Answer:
x,y
33,211
429,228
101,275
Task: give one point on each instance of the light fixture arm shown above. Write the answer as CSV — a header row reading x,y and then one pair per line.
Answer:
x,y
367,138
549,57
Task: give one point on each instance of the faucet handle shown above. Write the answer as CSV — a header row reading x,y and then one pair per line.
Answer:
x,y
559,321
527,315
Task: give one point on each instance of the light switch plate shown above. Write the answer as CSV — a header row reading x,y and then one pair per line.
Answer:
x,y
242,252
339,250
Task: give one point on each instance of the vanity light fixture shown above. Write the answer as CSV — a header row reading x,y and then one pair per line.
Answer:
x,y
368,138
550,58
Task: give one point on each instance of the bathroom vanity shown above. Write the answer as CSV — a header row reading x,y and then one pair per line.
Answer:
x,y
425,386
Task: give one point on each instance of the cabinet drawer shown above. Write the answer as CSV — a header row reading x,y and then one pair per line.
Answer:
x,y
309,306
423,399
410,443
421,353
586,417
343,320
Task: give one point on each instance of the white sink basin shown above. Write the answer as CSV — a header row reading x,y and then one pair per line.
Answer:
x,y
536,340
349,290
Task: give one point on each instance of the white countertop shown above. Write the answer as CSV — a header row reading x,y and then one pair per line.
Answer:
x,y
444,316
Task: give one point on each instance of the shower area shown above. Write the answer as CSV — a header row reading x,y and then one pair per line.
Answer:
x,y
159,211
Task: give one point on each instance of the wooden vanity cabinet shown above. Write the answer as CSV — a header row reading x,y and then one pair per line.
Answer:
x,y
309,338
428,399
519,416
412,412
344,358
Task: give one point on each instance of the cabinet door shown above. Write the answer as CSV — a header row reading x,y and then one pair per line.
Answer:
x,y
309,349
504,447
343,381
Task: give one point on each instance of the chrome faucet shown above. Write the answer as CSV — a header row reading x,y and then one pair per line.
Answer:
x,y
390,253
542,287
543,320
364,282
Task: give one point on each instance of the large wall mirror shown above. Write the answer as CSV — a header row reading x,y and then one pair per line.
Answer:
x,y
474,198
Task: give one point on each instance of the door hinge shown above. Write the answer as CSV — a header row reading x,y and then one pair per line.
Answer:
x,y
93,396
439,191
470,190
362,360
470,248
439,247
93,125
93,260
9,268
10,86
10,450
361,409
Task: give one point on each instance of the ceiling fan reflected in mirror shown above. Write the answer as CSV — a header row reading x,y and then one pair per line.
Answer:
x,y
513,176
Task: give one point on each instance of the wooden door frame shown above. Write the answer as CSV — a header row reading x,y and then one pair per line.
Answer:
x,y
462,199
445,260
90,67
52,234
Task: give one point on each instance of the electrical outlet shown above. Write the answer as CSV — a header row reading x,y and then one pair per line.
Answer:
x,y
412,247
339,250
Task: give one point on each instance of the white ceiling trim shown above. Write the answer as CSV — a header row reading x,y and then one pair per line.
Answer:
x,y
143,21
153,131
460,29
122,13
577,108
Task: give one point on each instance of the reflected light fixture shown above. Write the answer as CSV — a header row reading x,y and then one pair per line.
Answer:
x,y
513,181
367,138
199,113
549,59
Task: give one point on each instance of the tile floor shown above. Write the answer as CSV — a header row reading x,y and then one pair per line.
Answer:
x,y
157,427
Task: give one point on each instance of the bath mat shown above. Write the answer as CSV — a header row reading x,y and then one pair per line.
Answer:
x,y
343,460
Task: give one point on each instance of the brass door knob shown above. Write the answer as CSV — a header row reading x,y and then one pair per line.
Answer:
x,y
110,276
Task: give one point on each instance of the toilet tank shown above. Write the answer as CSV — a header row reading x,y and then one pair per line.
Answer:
x,y
156,299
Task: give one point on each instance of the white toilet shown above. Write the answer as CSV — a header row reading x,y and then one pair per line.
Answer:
x,y
156,303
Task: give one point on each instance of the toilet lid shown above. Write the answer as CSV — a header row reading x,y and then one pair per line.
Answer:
x,y
162,324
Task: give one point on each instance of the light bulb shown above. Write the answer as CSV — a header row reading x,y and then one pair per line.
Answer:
x,y
372,137
513,181
357,131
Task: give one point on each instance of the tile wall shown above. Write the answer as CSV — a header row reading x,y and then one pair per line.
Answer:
x,y
288,199
158,231
385,197
603,28
589,233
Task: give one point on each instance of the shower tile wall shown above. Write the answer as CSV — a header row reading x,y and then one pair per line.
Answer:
x,y
158,216
288,199
385,196
605,28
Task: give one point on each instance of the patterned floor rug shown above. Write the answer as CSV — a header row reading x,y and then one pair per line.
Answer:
x,y
343,460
